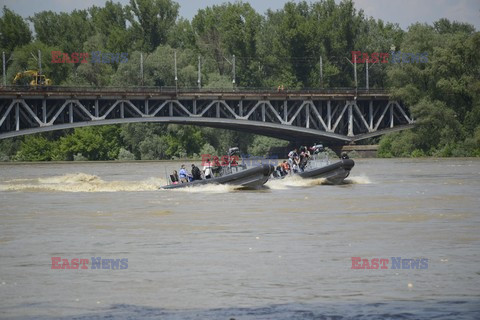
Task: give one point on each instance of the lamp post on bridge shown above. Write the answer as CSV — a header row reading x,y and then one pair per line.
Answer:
x,y
354,64
233,81
4,77
321,72
199,81
176,78
141,68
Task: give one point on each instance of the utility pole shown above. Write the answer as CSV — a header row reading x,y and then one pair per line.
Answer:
x,y
321,72
355,74
366,73
233,81
40,62
176,78
199,81
4,77
141,68
354,64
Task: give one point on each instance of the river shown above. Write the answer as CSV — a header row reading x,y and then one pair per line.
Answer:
x,y
214,252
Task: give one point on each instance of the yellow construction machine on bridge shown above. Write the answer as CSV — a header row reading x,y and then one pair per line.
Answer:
x,y
38,79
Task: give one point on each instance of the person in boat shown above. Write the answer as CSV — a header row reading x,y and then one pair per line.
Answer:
x,y
278,171
196,173
183,174
295,168
207,169
304,157
216,167
292,157
174,177
285,168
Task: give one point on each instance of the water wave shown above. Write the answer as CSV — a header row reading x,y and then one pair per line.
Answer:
x,y
358,180
80,182
294,181
208,188
83,182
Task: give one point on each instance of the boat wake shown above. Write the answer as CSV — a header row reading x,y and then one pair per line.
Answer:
x,y
208,188
79,182
358,180
82,182
296,181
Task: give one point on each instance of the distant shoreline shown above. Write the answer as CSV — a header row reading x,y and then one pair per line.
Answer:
x,y
199,160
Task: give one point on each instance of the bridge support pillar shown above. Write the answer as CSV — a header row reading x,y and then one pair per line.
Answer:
x,y
370,115
307,115
44,110
329,115
17,117
70,112
350,119
96,108
391,115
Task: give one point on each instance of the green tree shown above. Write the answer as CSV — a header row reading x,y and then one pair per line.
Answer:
x,y
68,31
261,145
8,148
444,93
14,31
26,58
158,69
94,143
134,134
226,30
151,21
154,147
111,22
95,73
35,148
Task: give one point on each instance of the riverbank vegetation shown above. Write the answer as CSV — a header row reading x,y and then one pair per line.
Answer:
x,y
275,48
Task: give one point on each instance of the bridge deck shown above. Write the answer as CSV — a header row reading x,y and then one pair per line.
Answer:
x,y
340,114
192,93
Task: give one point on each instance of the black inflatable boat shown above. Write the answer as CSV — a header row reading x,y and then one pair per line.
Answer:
x,y
237,176
334,173
318,165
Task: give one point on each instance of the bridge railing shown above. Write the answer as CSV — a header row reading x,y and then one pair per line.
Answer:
x,y
173,90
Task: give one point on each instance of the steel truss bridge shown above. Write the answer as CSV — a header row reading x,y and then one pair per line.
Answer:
x,y
333,115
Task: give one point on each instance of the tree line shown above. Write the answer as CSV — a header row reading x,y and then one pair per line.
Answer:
x,y
302,45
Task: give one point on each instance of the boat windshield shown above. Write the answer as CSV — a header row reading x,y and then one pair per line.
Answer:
x,y
317,161
232,169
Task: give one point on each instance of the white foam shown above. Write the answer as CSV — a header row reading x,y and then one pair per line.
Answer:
x,y
208,188
362,179
81,182
294,181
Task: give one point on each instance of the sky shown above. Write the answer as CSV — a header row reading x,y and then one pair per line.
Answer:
x,y
403,12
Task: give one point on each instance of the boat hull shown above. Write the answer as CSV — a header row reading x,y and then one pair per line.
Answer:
x,y
334,173
249,178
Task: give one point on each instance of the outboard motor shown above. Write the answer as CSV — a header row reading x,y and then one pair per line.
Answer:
x,y
317,148
233,151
